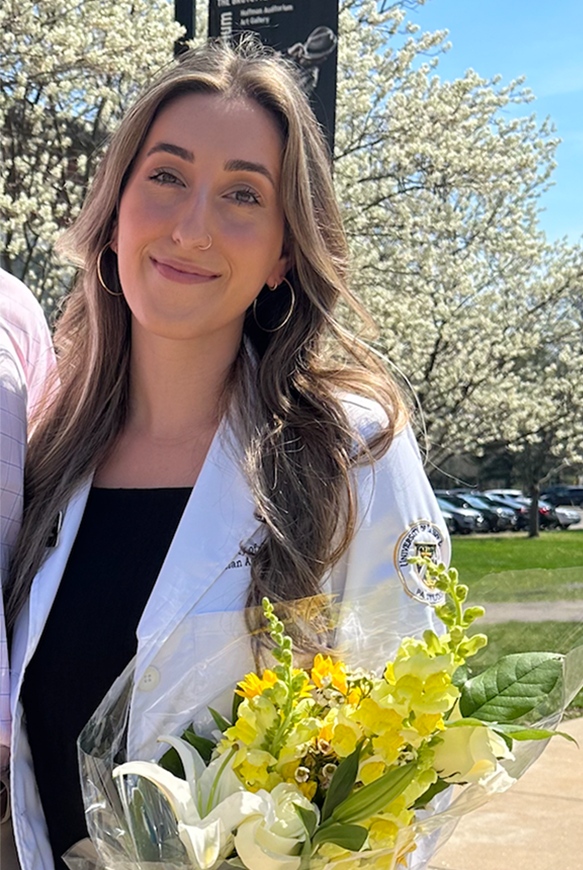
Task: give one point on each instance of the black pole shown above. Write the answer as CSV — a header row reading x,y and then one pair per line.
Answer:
x,y
185,14
305,31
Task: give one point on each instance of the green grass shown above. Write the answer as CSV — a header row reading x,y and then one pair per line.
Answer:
x,y
512,637
517,568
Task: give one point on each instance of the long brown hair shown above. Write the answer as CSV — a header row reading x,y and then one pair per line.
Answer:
x,y
285,388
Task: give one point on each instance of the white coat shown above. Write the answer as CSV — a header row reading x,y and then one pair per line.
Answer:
x,y
191,636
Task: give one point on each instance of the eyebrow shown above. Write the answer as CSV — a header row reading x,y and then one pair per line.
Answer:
x,y
172,149
248,166
230,165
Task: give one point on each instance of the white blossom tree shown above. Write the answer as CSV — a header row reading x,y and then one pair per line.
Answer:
x,y
441,190
68,69
541,410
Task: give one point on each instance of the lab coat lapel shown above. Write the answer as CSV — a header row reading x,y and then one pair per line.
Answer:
x,y
219,517
46,582
31,622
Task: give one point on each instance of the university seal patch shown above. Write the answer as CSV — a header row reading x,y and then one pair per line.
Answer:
x,y
422,538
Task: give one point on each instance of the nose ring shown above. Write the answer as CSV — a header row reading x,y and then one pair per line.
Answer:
x,y
207,246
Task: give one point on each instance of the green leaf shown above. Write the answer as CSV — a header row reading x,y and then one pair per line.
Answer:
x,y
136,814
220,721
460,676
477,723
305,855
519,733
309,819
237,701
145,802
205,747
352,837
467,722
375,796
171,761
341,783
434,789
511,688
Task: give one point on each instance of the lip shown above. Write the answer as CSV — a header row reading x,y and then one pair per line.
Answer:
x,y
183,273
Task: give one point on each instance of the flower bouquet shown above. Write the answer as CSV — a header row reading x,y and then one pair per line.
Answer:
x,y
325,765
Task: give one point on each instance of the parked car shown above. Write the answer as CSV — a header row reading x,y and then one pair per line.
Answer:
x,y
521,510
466,519
498,519
547,516
549,499
562,494
506,493
567,517
450,521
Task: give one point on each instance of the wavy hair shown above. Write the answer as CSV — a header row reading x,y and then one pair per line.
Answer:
x,y
299,447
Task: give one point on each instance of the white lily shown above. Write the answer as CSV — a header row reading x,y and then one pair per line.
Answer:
x,y
469,754
209,805
274,842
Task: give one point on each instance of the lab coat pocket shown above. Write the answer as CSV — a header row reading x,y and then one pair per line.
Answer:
x,y
196,667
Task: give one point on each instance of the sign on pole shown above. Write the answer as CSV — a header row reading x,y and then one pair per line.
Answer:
x,y
185,14
304,30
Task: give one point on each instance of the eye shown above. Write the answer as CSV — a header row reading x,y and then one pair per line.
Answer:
x,y
162,176
245,196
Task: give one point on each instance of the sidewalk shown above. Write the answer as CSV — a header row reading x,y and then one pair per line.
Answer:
x,y
533,611
537,825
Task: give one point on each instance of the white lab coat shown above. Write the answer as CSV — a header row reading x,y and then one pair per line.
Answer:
x,y
191,636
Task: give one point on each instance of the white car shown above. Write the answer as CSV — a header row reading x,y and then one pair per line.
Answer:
x,y
511,493
563,517
567,517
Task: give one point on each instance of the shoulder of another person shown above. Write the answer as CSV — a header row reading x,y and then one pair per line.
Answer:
x,y
24,320
19,304
25,328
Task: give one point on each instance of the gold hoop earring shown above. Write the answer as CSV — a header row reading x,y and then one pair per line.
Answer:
x,y
100,276
287,316
209,244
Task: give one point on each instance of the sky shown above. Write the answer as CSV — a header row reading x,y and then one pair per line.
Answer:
x,y
543,41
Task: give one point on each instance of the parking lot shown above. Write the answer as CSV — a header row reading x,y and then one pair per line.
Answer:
x,y
575,527
505,511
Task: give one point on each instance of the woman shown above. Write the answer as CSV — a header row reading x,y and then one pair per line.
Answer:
x,y
205,448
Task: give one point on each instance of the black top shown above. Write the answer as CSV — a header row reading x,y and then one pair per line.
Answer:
x,y
90,636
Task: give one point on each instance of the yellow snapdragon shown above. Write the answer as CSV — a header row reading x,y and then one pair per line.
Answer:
x,y
325,672
389,746
256,770
344,740
252,685
254,719
419,680
376,719
371,768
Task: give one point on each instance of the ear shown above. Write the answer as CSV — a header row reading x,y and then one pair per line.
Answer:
x,y
279,271
113,242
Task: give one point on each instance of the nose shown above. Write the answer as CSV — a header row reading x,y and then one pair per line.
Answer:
x,y
192,225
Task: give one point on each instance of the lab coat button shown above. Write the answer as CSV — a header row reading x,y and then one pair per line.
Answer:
x,y
150,679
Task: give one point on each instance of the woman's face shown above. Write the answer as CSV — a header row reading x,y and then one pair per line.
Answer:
x,y
209,171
